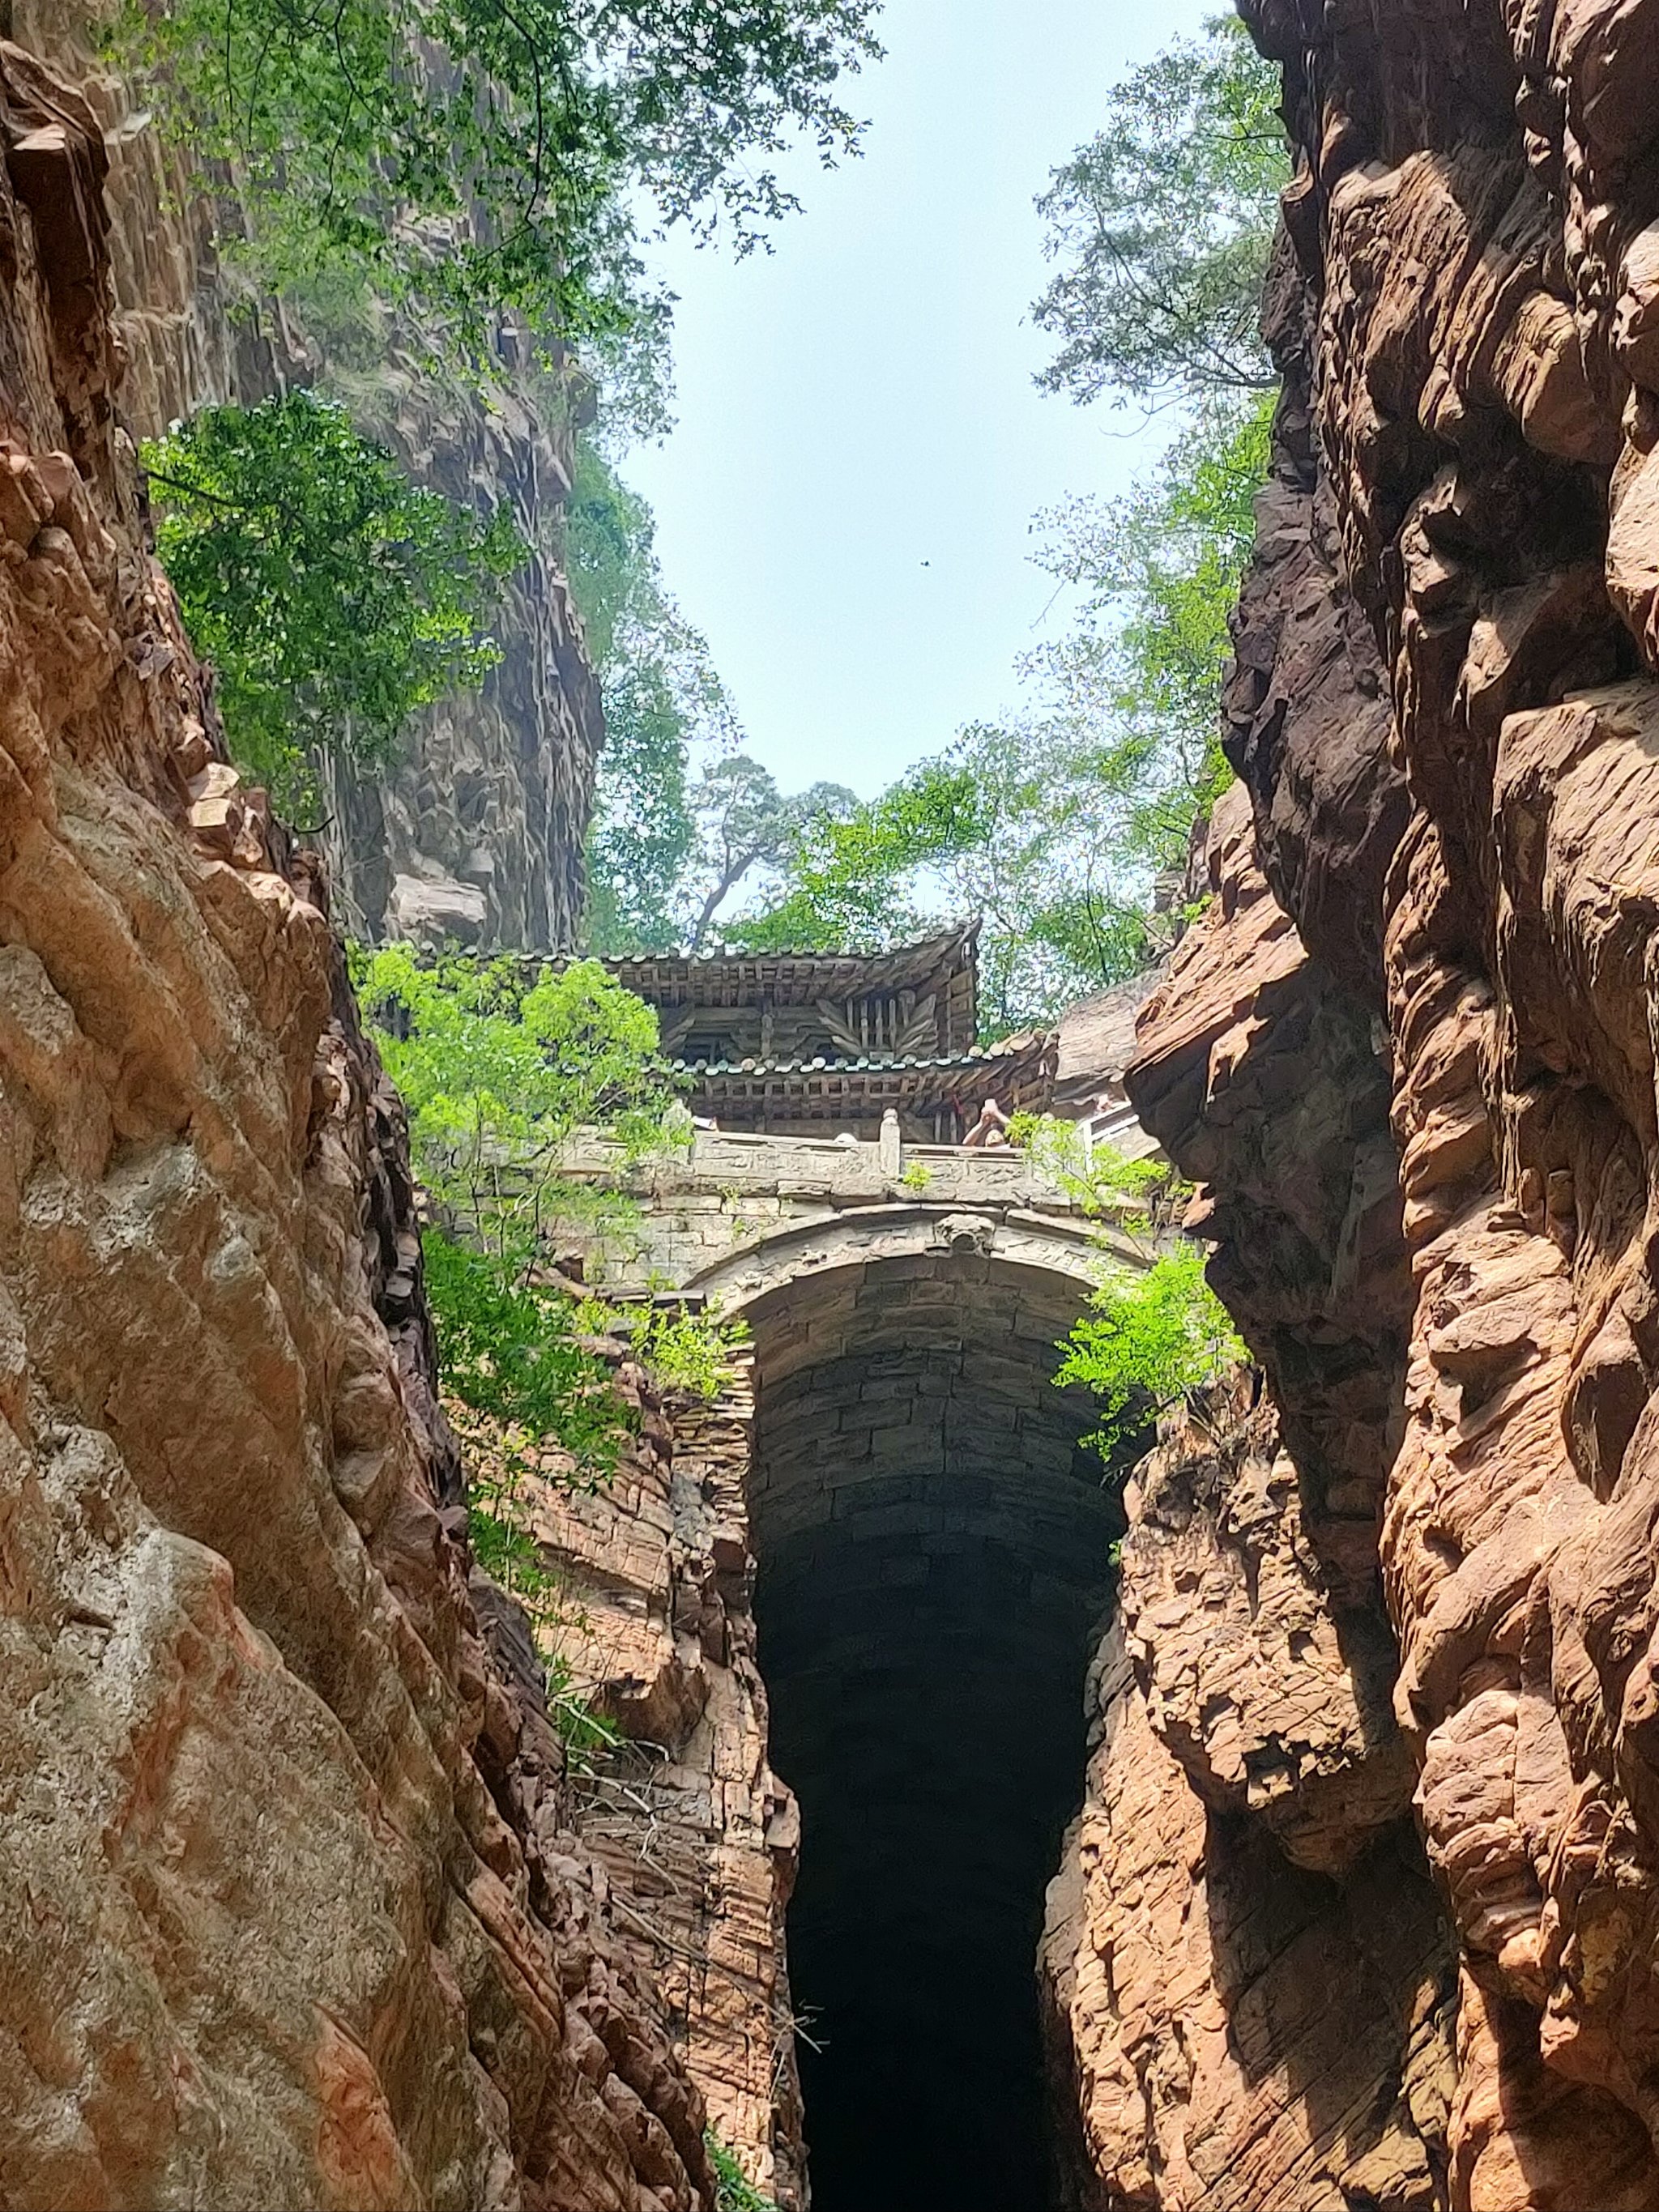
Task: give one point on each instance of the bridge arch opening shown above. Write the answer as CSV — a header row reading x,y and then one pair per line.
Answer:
x,y
933,1549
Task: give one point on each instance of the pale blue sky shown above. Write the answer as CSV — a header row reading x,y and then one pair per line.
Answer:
x,y
860,402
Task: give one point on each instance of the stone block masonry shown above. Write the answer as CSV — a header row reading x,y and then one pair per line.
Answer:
x,y
930,1569
736,1217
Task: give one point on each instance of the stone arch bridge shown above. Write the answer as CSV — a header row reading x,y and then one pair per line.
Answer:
x,y
738,1219
931,1544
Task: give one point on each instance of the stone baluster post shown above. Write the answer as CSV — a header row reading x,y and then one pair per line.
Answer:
x,y
891,1146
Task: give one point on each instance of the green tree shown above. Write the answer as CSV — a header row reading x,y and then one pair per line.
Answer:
x,y
1161,224
847,873
498,1072
996,826
1134,691
331,596
497,1075
475,158
1054,824
1146,1340
664,706
744,821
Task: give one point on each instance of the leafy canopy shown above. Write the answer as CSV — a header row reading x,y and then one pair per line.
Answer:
x,y
1161,224
497,1073
849,869
332,596
1146,1341
477,158
1134,691
744,821
1054,824
664,706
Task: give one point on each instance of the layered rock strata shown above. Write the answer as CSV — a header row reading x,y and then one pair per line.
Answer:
x,y
293,1915
652,1626
1249,1983
1444,715
475,831
1230,2031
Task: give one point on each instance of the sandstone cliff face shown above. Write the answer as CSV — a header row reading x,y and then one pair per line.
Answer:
x,y
476,833
654,1625
1444,716
293,1918
1248,1981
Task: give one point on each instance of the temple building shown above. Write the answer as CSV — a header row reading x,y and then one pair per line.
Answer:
x,y
816,1043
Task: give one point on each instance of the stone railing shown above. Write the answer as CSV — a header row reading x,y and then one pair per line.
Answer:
x,y
729,1200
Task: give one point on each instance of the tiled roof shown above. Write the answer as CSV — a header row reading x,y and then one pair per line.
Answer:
x,y
728,975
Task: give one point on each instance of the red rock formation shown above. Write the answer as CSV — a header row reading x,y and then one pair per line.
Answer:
x,y
1445,714
652,1623
1249,1983
1236,2034
291,1918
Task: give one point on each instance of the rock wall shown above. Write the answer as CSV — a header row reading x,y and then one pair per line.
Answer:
x,y
1249,1983
476,833
294,1915
1444,715
653,1626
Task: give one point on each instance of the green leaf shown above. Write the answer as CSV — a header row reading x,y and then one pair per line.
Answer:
x,y
734,2193
474,159
331,596
1161,224
1146,1340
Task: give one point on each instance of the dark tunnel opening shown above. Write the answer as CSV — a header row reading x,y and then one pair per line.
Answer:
x,y
933,1549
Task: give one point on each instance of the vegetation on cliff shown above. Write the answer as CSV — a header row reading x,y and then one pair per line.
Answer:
x,y
499,1069
1161,225
481,178
475,160
737,2193
331,595
1147,1339
1151,1335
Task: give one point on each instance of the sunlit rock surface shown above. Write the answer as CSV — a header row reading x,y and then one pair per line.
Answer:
x,y
1249,1984
292,1917
1446,718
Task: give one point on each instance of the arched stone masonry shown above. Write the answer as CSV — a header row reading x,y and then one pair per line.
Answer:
x,y
933,1552
928,1549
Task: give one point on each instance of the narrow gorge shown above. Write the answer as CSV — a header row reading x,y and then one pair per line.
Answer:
x,y
877,1787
